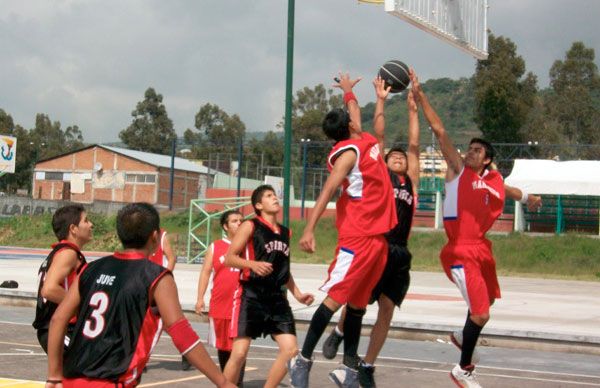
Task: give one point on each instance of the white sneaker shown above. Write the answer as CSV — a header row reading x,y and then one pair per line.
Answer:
x,y
457,339
344,377
464,377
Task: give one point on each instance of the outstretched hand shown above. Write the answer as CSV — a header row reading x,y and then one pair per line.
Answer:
x,y
381,90
345,83
534,202
307,242
416,86
410,102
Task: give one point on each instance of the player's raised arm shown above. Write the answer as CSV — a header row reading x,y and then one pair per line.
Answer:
x,y
413,140
233,259
451,154
341,167
382,93
56,334
346,84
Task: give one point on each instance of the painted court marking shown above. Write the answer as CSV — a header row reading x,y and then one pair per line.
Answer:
x,y
5,383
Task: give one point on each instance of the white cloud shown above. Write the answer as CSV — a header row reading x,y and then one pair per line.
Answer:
x,y
89,62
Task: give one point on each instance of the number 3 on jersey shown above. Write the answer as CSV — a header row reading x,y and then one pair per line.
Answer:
x,y
95,325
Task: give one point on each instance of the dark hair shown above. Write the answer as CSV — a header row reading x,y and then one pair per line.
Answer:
x,y
225,217
487,146
257,195
135,224
336,124
64,217
395,149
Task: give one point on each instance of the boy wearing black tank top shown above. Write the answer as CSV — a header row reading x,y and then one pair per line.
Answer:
x,y
261,250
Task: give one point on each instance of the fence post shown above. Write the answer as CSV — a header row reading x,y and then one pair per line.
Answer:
x,y
519,221
438,220
559,215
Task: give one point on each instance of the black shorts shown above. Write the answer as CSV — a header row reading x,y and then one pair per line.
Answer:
x,y
395,279
42,335
263,313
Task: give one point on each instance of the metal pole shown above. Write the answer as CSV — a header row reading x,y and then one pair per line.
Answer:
x,y
304,147
288,114
174,145
239,177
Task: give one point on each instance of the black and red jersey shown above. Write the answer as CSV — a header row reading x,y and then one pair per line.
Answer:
x,y
268,244
405,208
44,309
116,326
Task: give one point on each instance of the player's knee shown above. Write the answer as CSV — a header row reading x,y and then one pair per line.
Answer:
x,y
386,308
480,319
355,311
288,351
239,353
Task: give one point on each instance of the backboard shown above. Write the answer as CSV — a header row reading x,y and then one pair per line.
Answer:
x,y
462,23
8,154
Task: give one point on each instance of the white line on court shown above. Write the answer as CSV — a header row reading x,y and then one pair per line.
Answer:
x,y
16,323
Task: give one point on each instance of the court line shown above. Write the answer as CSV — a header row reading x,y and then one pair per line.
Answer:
x,y
19,344
15,323
446,363
173,381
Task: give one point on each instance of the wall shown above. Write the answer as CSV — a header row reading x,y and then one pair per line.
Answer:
x,y
13,205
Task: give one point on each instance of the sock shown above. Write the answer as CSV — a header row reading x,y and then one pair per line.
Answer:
x,y
337,330
223,356
471,333
318,324
366,364
352,326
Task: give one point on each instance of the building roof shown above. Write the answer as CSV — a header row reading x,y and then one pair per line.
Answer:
x,y
160,160
157,160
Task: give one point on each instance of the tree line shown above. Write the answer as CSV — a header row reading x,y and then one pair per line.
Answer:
x,y
501,102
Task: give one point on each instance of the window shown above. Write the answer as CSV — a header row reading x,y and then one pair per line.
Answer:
x,y
54,176
140,178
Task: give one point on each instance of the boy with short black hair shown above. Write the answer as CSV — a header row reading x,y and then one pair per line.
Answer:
x,y
261,250
225,282
73,230
114,298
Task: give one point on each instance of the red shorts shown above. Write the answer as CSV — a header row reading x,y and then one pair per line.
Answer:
x,y
218,333
94,383
356,269
473,269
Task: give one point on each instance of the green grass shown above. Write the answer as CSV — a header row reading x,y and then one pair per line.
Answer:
x,y
569,256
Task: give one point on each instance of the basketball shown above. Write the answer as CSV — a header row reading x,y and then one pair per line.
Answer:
x,y
395,74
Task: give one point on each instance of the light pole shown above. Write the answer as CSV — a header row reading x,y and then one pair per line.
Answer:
x,y
304,150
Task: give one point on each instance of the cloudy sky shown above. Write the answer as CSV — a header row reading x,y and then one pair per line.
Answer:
x,y
89,62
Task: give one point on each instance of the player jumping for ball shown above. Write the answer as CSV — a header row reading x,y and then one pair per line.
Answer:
x,y
365,211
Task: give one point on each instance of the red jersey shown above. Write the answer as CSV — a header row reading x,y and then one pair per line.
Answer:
x,y
158,256
366,206
472,204
225,281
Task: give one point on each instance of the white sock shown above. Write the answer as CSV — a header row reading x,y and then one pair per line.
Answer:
x,y
340,333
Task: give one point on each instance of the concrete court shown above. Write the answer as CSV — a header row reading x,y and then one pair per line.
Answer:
x,y
402,363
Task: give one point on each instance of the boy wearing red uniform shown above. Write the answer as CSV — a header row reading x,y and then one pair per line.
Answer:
x,y
225,282
164,255
364,213
475,195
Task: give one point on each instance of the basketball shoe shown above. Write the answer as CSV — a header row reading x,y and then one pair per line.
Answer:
x,y
464,377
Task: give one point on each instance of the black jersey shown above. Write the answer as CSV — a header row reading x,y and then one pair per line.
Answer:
x,y
116,327
267,245
44,309
405,208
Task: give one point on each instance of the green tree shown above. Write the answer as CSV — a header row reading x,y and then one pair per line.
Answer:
x,y
309,107
575,98
217,131
504,95
151,129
